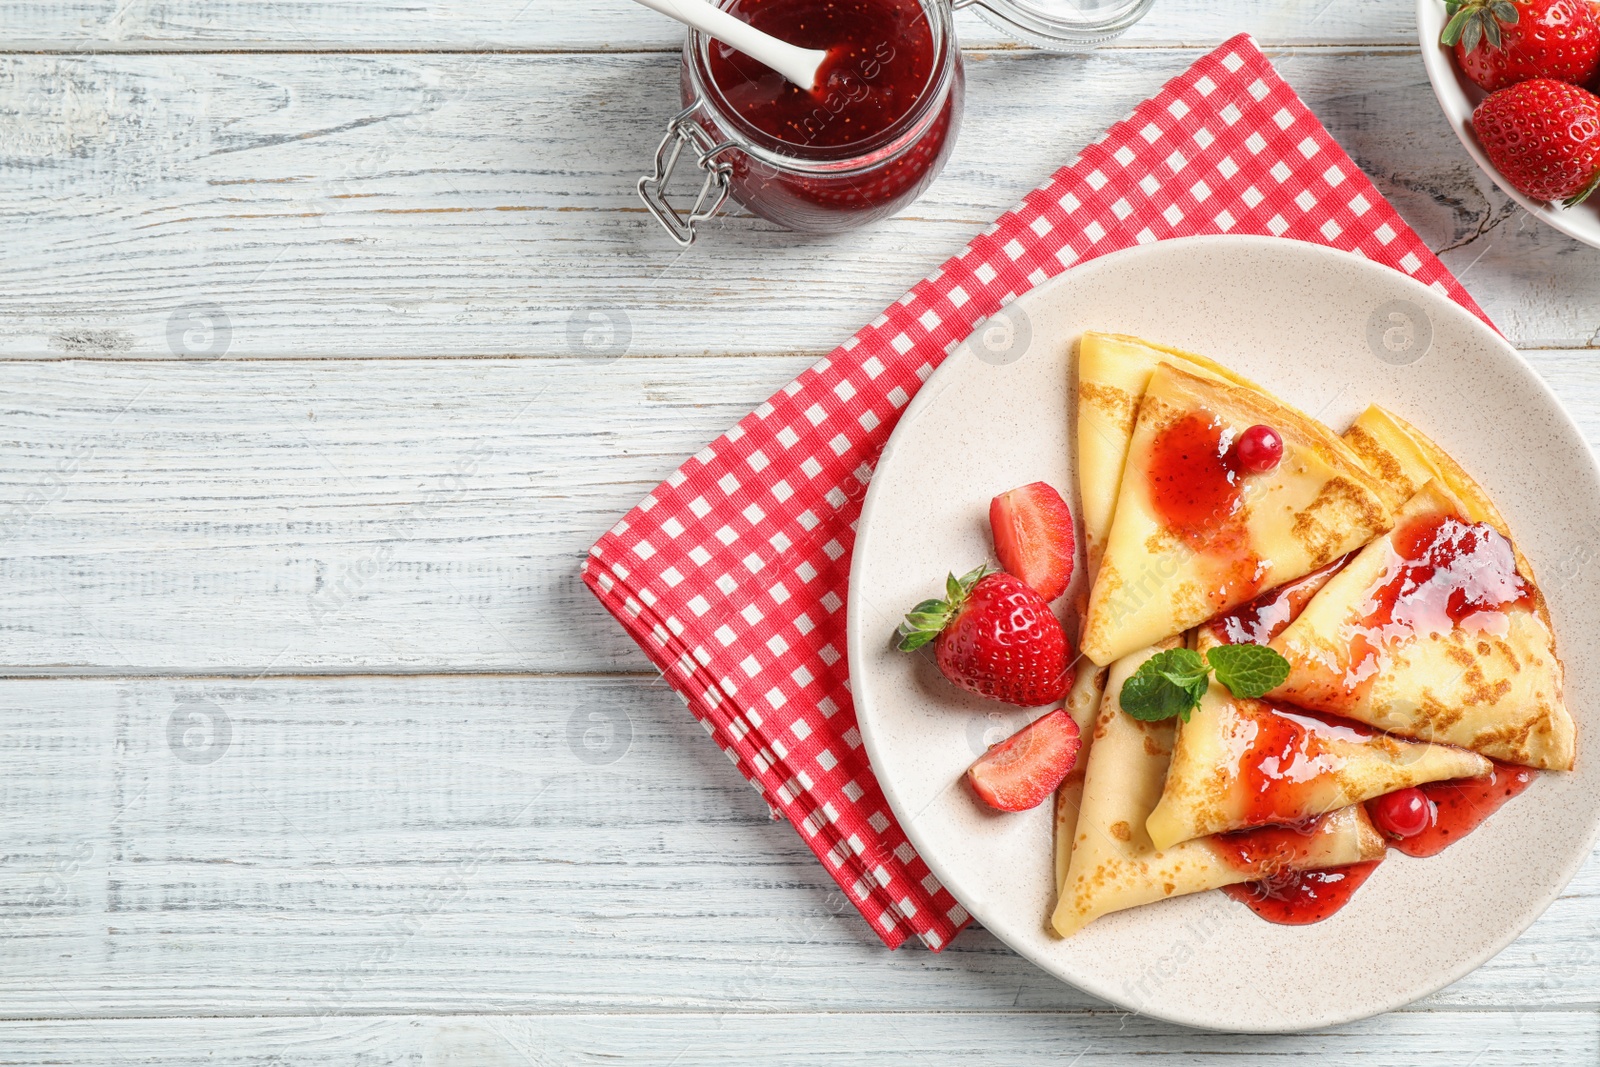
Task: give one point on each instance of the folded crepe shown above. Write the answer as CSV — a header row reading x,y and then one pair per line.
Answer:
x,y
1436,632
1442,632
1082,703
1192,538
1114,865
1113,372
1242,763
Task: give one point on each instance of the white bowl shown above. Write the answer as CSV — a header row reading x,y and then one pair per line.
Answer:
x,y
1458,96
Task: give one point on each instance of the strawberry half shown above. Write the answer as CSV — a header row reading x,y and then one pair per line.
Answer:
x,y
994,636
1033,537
1019,772
1543,136
1502,42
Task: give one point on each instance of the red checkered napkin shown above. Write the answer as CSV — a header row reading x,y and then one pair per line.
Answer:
x,y
732,574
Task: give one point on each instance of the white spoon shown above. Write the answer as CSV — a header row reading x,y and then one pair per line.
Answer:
x,y
797,64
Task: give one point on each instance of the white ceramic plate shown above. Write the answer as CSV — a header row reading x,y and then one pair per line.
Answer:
x,y
1331,333
1458,96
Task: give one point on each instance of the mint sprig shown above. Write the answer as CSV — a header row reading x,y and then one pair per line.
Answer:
x,y
1168,683
1172,683
1249,671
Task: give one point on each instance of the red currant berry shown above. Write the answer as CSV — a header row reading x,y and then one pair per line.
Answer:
x,y
1258,449
1403,813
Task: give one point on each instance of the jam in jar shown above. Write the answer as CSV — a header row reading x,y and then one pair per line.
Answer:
x,y
860,146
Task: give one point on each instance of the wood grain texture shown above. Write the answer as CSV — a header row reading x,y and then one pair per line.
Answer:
x,y
364,516
347,768
441,845
589,25
284,516
428,205
1444,1039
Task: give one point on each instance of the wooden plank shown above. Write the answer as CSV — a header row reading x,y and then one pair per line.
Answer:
x,y
423,205
446,845
105,25
335,515
1412,1039
364,516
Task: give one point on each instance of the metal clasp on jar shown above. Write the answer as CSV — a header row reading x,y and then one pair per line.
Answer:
x,y
681,131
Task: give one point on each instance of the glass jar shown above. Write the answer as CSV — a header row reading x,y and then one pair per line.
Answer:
x,y
812,189
1061,25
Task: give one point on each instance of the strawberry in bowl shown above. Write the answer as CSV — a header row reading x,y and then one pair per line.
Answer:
x,y
1543,136
1501,42
1495,67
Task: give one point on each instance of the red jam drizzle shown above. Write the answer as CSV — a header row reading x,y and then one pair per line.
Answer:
x,y
1461,805
1283,750
1269,614
1443,573
1197,493
1299,898
1284,894
880,61
1270,850
1193,486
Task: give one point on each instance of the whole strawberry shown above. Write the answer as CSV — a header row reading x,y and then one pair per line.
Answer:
x,y
1503,42
1543,136
994,636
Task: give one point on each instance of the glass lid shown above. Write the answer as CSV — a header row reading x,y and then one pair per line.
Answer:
x,y
1060,25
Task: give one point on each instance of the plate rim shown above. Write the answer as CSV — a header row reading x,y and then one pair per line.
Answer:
x,y
855,637
1445,80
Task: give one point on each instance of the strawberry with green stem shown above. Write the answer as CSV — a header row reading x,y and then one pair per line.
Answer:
x,y
1503,42
993,635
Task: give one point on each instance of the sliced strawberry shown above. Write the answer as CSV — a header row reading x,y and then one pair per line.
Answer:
x,y
1033,537
1019,772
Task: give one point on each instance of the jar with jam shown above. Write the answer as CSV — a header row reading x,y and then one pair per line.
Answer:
x,y
875,131
870,137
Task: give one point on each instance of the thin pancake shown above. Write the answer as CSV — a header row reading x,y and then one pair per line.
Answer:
x,y
1246,534
1435,632
1243,763
1113,864
1083,701
1113,371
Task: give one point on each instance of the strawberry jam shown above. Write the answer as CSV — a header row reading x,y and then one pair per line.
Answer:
x,y
1196,492
1193,486
1269,850
1446,572
880,58
1461,805
864,143
1284,749
1281,749
1298,898
1269,614
1443,572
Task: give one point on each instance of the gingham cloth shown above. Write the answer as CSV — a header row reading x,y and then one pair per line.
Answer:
x,y
732,574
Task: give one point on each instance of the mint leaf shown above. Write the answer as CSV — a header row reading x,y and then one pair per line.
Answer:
x,y
1168,683
1183,667
1249,671
1174,682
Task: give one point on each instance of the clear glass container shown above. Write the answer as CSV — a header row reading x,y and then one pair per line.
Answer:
x,y
827,190
1060,25
801,187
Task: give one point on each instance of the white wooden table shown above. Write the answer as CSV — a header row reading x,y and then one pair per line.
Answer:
x,y
315,750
